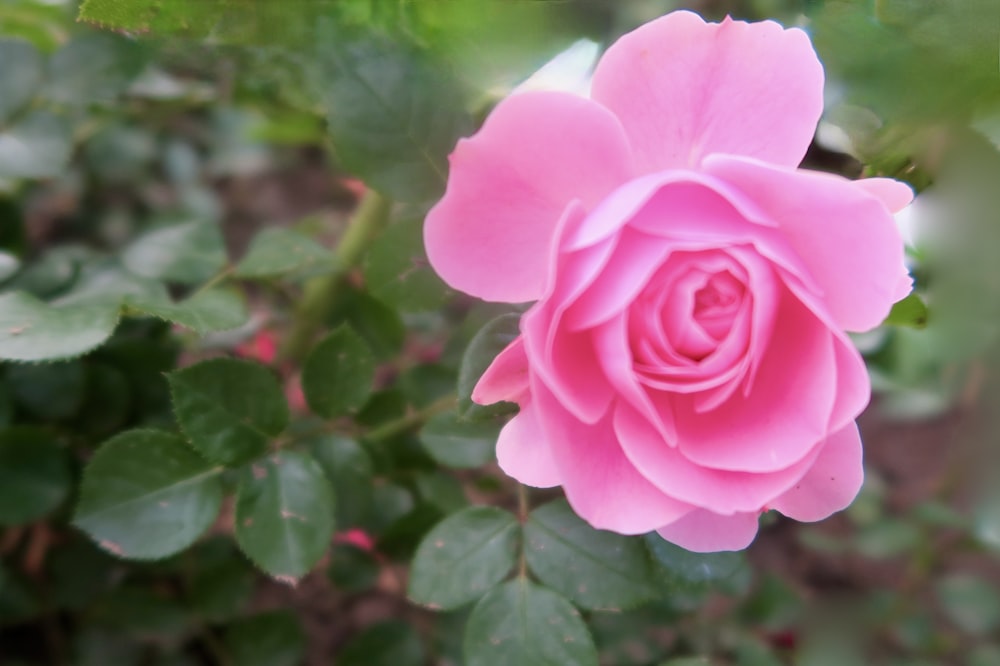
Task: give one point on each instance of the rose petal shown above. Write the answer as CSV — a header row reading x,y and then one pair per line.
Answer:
x,y
716,490
601,484
506,378
523,453
634,260
702,531
674,204
611,342
895,195
564,359
490,234
845,236
854,387
684,89
831,484
785,411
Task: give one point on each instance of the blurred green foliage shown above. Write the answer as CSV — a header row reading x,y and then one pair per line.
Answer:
x,y
176,180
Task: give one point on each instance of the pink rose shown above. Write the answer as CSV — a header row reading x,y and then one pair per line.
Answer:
x,y
684,366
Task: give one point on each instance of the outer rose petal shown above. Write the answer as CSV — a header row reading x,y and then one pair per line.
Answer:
x,y
523,452
831,484
702,531
715,490
506,378
510,183
601,484
684,89
895,195
844,234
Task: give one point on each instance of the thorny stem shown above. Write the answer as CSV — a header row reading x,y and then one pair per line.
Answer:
x,y
321,293
411,420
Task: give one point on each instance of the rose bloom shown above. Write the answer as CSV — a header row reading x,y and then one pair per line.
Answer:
x,y
684,366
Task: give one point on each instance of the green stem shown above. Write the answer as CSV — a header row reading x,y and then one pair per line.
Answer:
x,y
321,293
523,508
216,279
411,420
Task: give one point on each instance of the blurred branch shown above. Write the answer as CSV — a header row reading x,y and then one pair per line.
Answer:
x,y
320,294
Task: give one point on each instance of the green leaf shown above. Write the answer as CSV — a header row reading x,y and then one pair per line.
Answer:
x,y
393,113
378,324
100,646
594,568
51,391
35,475
133,15
36,146
78,572
229,409
454,442
463,557
205,312
484,347
970,602
144,612
391,503
284,514
338,374
911,311
19,78
385,644
349,469
189,253
268,639
440,490
398,273
31,330
887,538
221,590
682,567
6,406
521,623
146,495
276,251
93,67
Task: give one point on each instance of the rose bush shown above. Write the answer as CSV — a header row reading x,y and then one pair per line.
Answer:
x,y
684,366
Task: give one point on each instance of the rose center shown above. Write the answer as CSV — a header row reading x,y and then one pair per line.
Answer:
x,y
716,304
